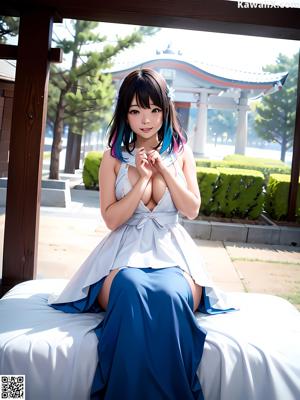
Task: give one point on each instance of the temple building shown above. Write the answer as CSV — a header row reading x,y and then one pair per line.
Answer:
x,y
205,86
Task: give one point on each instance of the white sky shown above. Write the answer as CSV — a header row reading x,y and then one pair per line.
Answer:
x,y
248,53
236,51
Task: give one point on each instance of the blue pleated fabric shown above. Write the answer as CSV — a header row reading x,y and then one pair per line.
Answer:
x,y
149,342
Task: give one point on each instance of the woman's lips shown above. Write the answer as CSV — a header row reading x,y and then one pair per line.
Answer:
x,y
146,129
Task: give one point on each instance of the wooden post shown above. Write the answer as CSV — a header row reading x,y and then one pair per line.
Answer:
x,y
26,148
293,190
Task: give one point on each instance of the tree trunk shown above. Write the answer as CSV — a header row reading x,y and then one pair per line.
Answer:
x,y
57,136
73,152
70,151
70,154
77,145
283,148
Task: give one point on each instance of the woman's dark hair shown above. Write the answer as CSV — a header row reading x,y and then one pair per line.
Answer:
x,y
145,84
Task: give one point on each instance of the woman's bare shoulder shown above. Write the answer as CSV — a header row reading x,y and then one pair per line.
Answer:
x,y
186,155
107,152
110,161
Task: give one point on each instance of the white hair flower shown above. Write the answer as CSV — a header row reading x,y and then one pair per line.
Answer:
x,y
171,93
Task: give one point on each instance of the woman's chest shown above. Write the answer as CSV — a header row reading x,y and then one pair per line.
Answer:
x,y
156,187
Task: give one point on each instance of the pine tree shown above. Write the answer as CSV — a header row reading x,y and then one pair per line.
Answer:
x,y
82,96
222,123
275,120
9,27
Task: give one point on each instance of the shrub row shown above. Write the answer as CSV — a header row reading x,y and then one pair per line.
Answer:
x,y
265,166
277,195
228,192
231,192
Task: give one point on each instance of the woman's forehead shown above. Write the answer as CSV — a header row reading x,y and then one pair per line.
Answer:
x,y
140,102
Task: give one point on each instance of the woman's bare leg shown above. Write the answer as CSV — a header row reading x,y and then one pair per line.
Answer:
x,y
196,290
103,296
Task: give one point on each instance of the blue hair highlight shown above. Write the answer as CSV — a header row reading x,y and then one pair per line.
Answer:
x,y
168,134
124,134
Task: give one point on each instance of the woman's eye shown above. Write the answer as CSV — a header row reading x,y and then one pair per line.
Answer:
x,y
156,110
133,112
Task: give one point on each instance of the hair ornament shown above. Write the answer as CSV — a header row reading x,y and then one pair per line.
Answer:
x,y
170,93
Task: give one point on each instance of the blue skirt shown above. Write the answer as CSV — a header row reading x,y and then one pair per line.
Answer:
x,y
149,343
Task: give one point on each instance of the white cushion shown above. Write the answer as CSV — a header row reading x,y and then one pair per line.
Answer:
x,y
253,353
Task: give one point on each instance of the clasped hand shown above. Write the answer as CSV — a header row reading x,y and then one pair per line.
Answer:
x,y
148,163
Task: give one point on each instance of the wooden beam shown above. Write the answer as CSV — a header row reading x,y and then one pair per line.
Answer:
x,y
10,52
293,190
207,15
26,149
56,55
15,8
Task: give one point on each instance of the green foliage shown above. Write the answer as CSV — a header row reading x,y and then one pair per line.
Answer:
x,y
207,181
230,192
264,165
82,95
277,194
203,162
222,122
84,91
239,193
254,160
9,27
91,167
275,118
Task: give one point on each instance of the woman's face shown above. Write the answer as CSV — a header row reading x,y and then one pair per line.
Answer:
x,y
145,122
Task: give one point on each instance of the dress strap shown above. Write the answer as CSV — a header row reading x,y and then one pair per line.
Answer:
x,y
121,173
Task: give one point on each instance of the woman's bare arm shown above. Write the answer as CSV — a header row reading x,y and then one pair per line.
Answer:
x,y
187,200
115,212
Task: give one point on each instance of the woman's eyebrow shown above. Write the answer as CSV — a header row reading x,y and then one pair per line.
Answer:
x,y
152,104
136,105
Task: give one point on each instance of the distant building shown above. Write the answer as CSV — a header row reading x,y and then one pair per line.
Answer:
x,y
206,87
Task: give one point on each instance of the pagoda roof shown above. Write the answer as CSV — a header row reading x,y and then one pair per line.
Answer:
x,y
209,75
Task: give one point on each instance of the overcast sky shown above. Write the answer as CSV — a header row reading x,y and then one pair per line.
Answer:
x,y
236,51
247,53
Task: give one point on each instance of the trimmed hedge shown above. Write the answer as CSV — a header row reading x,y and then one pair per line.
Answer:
x,y
239,193
91,167
207,181
233,192
253,160
266,166
276,202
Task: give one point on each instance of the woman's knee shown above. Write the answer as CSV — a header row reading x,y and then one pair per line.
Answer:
x,y
130,279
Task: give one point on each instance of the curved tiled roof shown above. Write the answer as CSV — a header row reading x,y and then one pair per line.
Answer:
x,y
213,76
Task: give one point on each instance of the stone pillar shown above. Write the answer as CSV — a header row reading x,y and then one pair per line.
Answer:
x,y
242,125
183,112
200,135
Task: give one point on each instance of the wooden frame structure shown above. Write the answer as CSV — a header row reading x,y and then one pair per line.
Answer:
x,y
34,55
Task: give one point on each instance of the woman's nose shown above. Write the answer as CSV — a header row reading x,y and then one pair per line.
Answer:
x,y
145,118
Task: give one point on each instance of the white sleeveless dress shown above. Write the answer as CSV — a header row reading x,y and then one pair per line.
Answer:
x,y
149,239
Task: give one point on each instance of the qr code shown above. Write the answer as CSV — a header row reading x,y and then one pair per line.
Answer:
x,y
12,387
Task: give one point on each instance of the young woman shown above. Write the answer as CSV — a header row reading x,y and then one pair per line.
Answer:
x,y
147,273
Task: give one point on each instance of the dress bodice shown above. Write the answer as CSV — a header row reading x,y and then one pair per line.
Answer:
x,y
123,185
